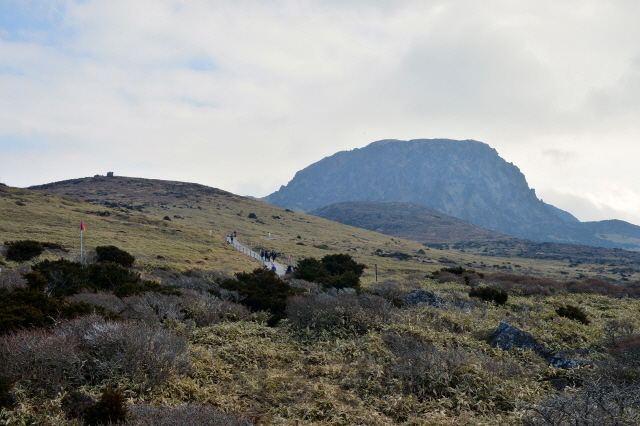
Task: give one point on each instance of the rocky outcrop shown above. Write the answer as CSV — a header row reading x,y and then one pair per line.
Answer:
x,y
508,336
417,297
465,179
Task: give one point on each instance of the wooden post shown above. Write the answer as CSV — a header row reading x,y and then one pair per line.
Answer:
x,y
376,265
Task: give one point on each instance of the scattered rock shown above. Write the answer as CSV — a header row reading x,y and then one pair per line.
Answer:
x,y
565,363
508,336
423,296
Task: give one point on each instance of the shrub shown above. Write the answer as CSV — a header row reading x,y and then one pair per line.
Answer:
x,y
627,350
63,277
54,246
20,251
166,218
490,294
252,216
187,414
108,410
75,402
261,290
338,313
30,308
7,399
333,271
600,401
114,255
89,350
573,313
340,264
310,269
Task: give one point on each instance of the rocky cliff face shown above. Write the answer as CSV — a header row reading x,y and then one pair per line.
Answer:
x,y
465,179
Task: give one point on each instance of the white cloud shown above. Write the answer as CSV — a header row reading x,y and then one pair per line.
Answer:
x,y
242,94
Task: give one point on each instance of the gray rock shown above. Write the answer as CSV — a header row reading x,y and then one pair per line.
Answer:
x,y
565,363
416,297
508,336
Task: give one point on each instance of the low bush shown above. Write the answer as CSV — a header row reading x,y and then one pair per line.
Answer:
x,y
338,314
252,216
7,399
22,308
114,255
90,350
64,278
573,313
110,409
490,294
20,251
333,271
75,402
600,401
457,274
261,290
186,414
626,350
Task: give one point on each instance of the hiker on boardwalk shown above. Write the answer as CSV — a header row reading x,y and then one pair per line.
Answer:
x,y
232,239
267,254
234,234
273,254
273,267
261,255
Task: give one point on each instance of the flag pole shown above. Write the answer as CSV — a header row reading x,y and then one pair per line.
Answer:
x,y
81,229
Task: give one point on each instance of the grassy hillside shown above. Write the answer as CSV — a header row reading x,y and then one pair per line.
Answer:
x,y
339,358
202,208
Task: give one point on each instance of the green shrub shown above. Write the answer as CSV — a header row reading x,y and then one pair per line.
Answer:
x,y
333,271
573,313
110,409
252,216
490,294
20,251
114,255
63,277
21,308
261,290
310,269
338,264
7,399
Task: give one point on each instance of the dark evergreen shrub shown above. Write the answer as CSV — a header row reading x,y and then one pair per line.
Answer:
x,y
20,251
310,269
333,271
261,290
166,218
114,255
252,216
7,399
110,409
339,264
75,403
20,308
63,277
573,313
490,294
113,277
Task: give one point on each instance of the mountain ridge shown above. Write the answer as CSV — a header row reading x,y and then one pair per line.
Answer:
x,y
465,179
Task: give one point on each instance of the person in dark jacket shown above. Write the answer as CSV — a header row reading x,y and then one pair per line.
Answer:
x,y
273,254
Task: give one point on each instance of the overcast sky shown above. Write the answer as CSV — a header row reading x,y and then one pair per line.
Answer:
x,y
240,95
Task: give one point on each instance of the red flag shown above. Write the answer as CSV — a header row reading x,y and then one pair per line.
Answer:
x,y
81,226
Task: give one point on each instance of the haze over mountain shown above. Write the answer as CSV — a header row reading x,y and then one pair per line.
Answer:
x,y
465,179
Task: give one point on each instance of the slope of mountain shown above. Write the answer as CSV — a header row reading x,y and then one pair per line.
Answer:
x,y
409,221
465,179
